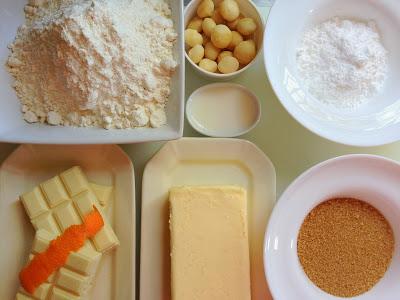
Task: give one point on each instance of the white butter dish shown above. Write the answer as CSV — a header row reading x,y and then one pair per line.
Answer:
x,y
202,161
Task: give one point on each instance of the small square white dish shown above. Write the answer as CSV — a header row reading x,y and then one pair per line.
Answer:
x,y
205,161
14,129
30,165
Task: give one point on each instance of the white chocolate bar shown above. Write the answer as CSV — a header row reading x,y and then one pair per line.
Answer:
x,y
54,206
21,296
74,280
41,292
59,294
63,201
102,192
84,261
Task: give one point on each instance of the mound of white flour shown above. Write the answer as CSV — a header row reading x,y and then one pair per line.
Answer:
x,y
101,63
343,62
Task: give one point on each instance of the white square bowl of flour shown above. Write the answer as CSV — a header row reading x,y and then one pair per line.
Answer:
x,y
122,84
335,66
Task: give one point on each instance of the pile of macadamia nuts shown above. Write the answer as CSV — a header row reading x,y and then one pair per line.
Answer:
x,y
219,38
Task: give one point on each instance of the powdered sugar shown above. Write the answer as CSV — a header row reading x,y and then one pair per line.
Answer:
x,y
94,62
343,62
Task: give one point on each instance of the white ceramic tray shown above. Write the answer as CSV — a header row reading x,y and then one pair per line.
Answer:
x,y
28,166
194,161
14,129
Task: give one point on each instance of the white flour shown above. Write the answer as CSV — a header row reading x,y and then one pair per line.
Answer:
x,y
94,62
342,62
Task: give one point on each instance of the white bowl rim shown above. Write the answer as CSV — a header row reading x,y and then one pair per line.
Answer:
x,y
299,117
189,102
229,75
284,198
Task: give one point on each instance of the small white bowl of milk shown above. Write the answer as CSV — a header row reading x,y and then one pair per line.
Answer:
x,y
223,110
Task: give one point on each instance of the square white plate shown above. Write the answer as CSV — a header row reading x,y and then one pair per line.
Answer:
x,y
30,165
14,129
202,161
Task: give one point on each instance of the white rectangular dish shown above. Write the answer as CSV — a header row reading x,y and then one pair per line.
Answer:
x,y
30,165
202,161
14,129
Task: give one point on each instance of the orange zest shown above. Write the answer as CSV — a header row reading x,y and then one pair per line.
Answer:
x,y
56,255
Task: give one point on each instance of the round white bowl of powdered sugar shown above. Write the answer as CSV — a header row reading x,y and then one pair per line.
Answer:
x,y
335,66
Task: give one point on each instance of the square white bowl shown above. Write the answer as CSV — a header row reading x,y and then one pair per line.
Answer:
x,y
14,129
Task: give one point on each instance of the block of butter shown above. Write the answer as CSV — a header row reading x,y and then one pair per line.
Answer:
x,y
52,207
209,243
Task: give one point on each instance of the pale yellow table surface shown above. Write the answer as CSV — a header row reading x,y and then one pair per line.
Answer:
x,y
291,147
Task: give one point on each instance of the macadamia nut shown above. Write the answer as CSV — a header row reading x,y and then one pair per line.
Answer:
x,y
245,52
211,52
236,40
217,17
193,38
224,54
208,65
246,26
195,24
221,36
229,10
206,39
232,25
208,26
205,9
228,64
196,54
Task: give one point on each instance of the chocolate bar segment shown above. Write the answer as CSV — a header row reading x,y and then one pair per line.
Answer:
x,y
54,206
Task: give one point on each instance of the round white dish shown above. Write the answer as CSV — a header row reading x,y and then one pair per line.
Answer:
x,y
248,9
223,121
374,123
373,179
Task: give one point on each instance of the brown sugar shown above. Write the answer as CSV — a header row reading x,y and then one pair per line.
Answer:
x,y
345,246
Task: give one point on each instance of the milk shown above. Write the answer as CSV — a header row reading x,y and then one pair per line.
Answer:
x,y
223,110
